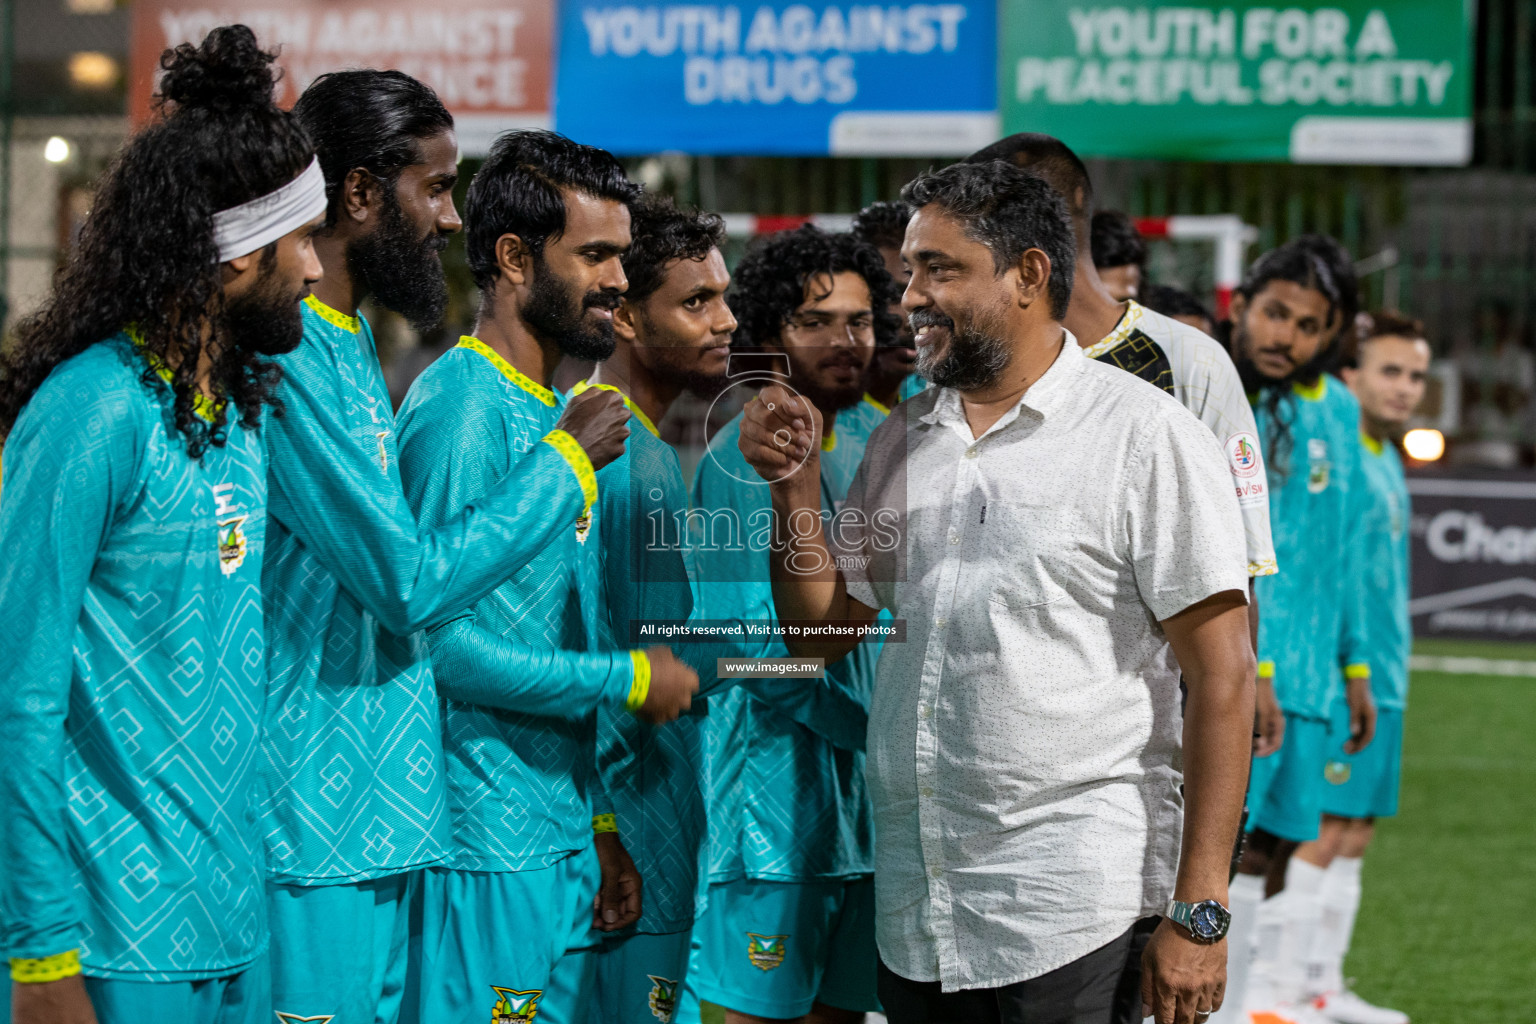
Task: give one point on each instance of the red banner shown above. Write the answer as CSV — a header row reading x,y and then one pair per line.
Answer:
x,y
489,60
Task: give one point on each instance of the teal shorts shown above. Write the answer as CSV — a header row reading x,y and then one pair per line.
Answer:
x,y
492,941
636,977
1364,785
775,949
341,951
242,998
1285,789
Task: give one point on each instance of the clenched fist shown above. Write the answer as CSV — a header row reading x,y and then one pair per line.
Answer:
x,y
779,429
673,685
599,421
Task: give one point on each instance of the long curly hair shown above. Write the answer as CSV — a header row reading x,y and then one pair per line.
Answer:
x,y
1309,261
770,282
146,255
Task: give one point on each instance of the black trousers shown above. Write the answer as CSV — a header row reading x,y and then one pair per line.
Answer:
x,y
1082,992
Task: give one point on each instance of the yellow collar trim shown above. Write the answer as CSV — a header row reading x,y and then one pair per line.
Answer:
x,y
350,324
635,410
1314,393
509,371
829,441
1372,445
1122,330
883,410
204,406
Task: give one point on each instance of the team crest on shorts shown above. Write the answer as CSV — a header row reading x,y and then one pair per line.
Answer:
x,y
663,998
1336,772
293,1018
513,1007
765,951
231,537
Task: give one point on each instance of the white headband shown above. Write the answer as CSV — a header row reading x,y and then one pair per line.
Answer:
x,y
241,230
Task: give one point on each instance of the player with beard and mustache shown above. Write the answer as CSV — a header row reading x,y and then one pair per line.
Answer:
x,y
352,758
548,224
132,526
1286,315
790,836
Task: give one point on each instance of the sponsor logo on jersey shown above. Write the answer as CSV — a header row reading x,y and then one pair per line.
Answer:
x,y
1243,454
1317,473
765,951
663,998
293,1018
514,1007
231,537
1336,772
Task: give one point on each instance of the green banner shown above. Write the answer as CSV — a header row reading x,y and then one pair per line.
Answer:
x,y
1382,83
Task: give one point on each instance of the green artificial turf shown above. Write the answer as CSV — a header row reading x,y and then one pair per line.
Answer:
x,y
1447,927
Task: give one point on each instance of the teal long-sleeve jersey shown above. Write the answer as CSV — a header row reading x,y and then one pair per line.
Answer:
x,y
653,774
520,672
130,588
352,767
786,795
1312,630
1383,541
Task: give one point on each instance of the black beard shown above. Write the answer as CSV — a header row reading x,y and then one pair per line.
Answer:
x,y
974,359
824,398
401,270
267,319
554,312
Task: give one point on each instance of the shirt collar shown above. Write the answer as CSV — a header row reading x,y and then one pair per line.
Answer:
x,y
1043,396
1123,327
350,324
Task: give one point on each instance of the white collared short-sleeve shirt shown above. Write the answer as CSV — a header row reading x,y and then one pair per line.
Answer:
x,y
1024,743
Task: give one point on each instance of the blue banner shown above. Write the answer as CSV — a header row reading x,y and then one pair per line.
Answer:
x,y
779,78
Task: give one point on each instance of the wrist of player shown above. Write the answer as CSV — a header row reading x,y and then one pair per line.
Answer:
x,y
41,970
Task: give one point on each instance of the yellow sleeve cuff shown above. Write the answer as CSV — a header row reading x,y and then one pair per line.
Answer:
x,y
48,968
1266,670
576,457
641,687
1357,671
604,823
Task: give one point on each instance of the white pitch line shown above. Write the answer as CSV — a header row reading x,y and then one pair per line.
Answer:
x,y
1467,666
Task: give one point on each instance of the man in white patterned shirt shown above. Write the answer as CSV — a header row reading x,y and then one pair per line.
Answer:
x,y
1075,543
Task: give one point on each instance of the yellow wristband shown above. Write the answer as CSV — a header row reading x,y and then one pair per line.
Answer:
x,y
640,688
48,968
604,823
1357,671
576,457
1266,670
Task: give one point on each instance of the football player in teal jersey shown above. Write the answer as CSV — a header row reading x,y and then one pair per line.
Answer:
x,y
1387,371
355,803
788,929
133,521
893,371
1285,317
672,334
548,222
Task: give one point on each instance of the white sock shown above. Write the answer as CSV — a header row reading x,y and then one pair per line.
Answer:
x,y
1341,902
1304,885
1268,928
1245,895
